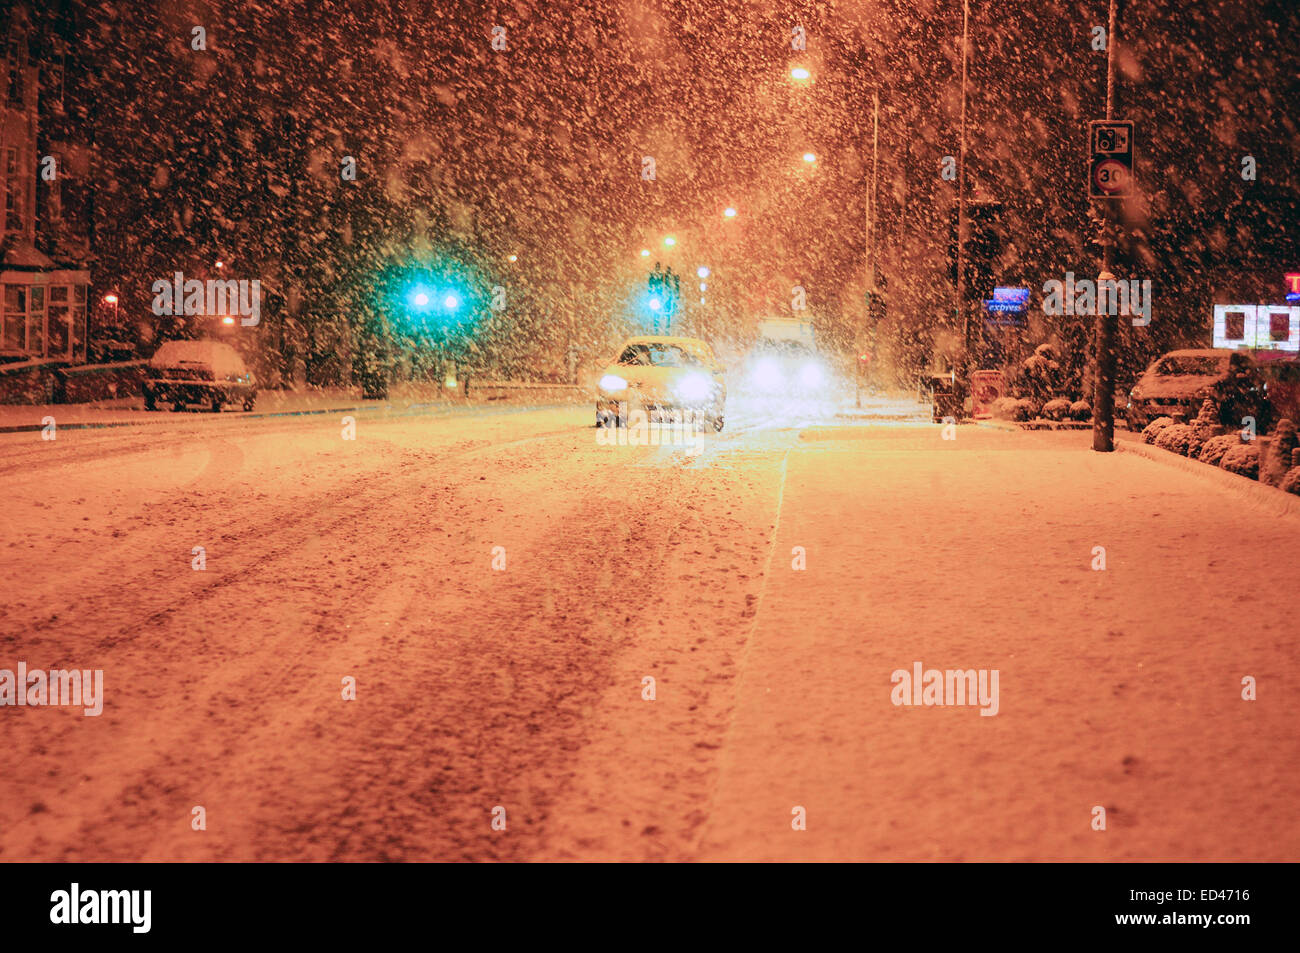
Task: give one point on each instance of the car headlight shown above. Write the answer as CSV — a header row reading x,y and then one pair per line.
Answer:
x,y
612,382
767,374
694,387
810,375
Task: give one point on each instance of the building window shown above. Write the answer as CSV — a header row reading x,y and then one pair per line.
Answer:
x,y
1279,326
60,322
13,192
36,321
14,337
55,203
52,88
15,63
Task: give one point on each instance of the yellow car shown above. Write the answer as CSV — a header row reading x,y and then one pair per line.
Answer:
x,y
663,376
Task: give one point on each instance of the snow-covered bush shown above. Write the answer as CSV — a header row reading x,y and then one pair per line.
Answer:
x,y
1004,408
1057,409
1039,375
1081,410
1213,449
1207,420
1025,409
1177,438
1242,459
1291,482
1152,430
1277,461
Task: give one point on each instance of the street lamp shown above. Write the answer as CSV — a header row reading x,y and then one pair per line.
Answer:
x,y
703,271
800,73
728,212
670,241
645,253
809,157
512,258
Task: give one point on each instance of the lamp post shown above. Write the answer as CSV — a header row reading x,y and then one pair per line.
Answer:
x,y
1103,404
962,311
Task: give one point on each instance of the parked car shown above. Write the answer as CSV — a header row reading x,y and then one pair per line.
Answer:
x,y
1177,383
207,373
662,375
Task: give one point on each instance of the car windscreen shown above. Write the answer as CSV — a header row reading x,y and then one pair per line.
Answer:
x,y
1195,365
658,355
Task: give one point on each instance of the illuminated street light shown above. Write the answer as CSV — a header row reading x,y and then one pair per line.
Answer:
x,y
451,302
729,212
800,73
809,157
703,271
512,258
655,304
420,299
704,286
110,299
645,253
670,241
220,265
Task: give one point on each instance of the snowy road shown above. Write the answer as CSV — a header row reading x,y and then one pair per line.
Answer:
x,y
521,686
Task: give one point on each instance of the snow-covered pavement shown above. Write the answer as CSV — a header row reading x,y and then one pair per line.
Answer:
x,y
500,585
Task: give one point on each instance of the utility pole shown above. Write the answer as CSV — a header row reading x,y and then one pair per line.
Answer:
x,y
871,202
962,315
871,223
1103,404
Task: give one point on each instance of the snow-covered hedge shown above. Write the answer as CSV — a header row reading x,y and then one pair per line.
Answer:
x,y
1081,410
1057,408
1242,459
1026,408
1179,438
1004,408
1152,430
1213,450
1291,482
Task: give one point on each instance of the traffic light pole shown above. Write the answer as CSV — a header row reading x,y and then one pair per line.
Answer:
x,y
1103,405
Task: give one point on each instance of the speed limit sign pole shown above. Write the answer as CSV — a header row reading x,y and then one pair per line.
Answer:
x,y
1110,180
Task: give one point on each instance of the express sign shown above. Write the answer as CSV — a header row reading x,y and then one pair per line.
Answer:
x,y
1266,327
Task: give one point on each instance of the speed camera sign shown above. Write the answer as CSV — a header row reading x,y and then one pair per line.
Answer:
x,y
1110,165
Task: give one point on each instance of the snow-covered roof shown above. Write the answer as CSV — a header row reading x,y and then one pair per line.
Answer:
x,y
191,352
665,339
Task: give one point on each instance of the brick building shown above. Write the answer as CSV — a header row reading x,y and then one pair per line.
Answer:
x,y
44,178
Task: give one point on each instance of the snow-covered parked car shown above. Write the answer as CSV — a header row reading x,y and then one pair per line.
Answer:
x,y
208,373
1177,383
662,375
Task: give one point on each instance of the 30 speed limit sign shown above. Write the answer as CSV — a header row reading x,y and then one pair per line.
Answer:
x,y
1110,164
